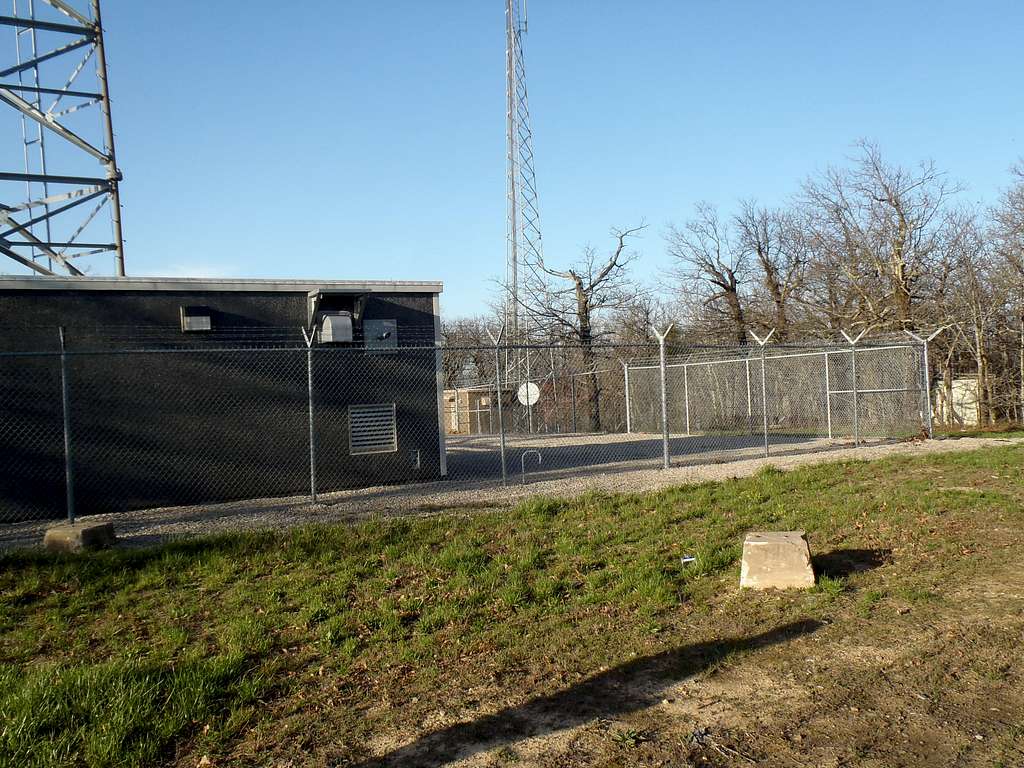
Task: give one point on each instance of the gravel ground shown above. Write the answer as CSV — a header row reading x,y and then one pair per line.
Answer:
x,y
154,525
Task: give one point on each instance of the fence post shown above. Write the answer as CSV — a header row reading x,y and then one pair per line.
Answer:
x,y
828,397
529,405
927,391
764,386
455,412
65,398
750,405
664,395
625,376
312,415
572,397
497,389
853,372
554,389
856,399
686,395
927,379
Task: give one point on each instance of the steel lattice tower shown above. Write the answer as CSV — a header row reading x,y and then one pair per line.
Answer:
x,y
524,246
51,190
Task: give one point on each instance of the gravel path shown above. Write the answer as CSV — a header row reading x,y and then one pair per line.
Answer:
x,y
154,525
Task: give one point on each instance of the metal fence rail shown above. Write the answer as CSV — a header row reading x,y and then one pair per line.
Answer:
x,y
112,430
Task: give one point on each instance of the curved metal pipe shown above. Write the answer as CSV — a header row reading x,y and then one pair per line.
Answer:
x,y
522,461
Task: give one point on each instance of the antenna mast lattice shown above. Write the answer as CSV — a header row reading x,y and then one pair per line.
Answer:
x,y
48,210
524,246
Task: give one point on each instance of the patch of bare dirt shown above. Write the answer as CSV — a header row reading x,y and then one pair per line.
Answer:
x,y
927,687
925,683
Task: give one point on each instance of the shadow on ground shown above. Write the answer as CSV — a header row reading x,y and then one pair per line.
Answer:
x,y
626,688
840,563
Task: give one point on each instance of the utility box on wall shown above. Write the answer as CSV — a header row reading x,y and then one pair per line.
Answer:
x,y
380,334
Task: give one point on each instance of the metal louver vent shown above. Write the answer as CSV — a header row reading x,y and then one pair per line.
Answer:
x,y
371,429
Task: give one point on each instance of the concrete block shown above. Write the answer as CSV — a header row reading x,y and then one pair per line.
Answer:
x,y
79,536
776,560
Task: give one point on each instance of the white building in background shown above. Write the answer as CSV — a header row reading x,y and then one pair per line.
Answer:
x,y
962,408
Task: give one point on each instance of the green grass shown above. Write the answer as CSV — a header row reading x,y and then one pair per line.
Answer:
x,y
832,586
137,657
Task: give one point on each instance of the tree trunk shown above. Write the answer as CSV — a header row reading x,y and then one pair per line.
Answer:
x,y
1020,411
592,387
774,287
901,281
984,393
947,386
781,322
737,318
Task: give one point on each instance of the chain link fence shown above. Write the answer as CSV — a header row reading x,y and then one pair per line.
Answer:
x,y
715,404
114,430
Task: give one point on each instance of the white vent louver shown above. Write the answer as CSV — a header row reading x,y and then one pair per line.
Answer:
x,y
371,429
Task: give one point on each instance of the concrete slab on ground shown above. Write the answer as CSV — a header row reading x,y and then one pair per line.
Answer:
x,y
776,560
79,536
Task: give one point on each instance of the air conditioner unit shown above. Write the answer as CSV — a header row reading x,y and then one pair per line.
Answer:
x,y
336,328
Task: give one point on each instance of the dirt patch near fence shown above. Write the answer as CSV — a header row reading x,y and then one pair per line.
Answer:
x,y
154,525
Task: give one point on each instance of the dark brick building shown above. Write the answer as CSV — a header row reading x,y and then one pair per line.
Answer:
x,y
187,390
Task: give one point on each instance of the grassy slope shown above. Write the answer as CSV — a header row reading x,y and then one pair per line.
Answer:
x,y
317,641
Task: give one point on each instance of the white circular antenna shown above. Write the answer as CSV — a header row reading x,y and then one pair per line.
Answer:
x,y
529,393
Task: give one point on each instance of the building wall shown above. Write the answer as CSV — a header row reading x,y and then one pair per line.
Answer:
x,y
162,418
470,412
962,410
114,319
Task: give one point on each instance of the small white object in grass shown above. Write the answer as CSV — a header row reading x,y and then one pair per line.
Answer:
x,y
687,559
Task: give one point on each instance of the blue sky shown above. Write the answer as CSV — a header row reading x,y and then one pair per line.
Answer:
x,y
366,139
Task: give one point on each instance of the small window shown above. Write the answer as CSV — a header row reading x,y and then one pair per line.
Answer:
x,y
371,429
195,319
380,334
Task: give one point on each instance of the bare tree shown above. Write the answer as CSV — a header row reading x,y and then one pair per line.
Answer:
x,y
567,302
775,244
1009,226
716,271
634,323
876,246
980,303
890,222
828,299
1009,221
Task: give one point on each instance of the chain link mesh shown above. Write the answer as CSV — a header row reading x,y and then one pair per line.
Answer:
x,y
165,427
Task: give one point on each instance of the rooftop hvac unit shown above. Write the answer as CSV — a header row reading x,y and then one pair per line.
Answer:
x,y
336,328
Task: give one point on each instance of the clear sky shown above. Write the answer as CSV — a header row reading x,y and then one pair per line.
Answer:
x,y
351,140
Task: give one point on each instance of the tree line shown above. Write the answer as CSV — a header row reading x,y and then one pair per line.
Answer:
x,y
870,246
